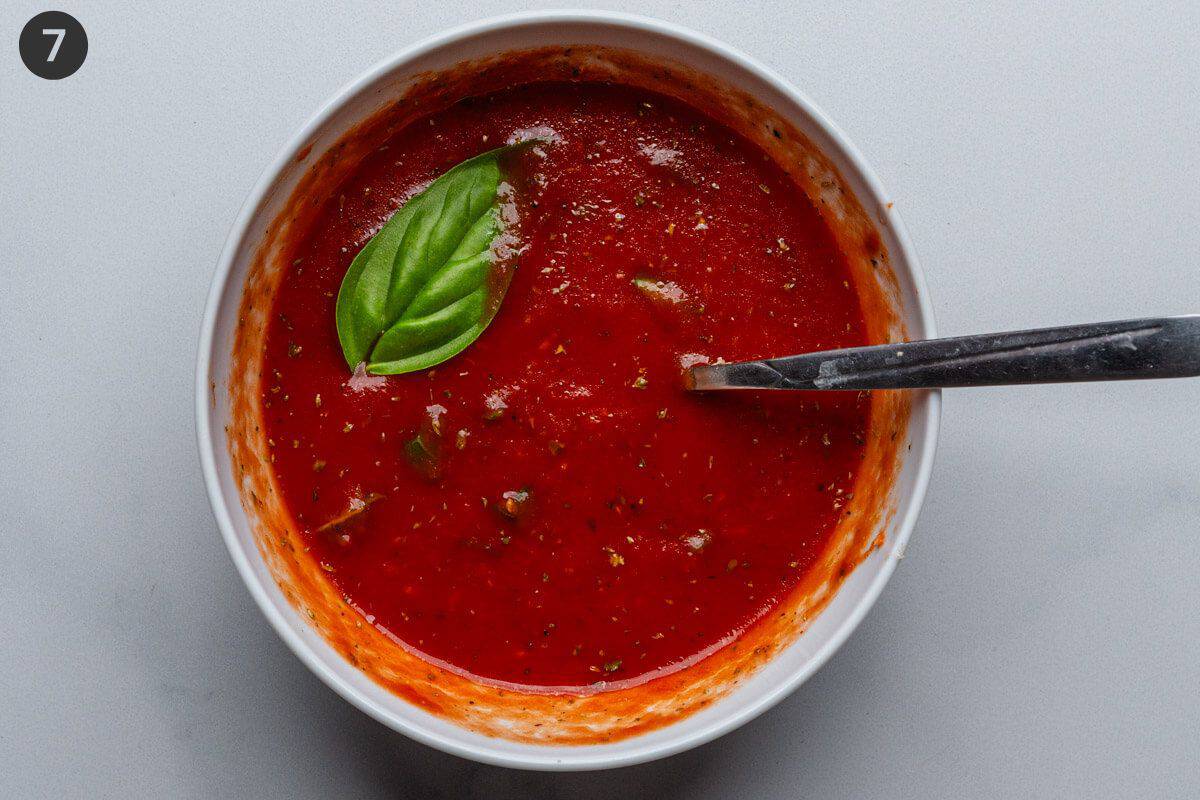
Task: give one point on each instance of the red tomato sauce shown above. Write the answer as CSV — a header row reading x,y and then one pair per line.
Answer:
x,y
590,520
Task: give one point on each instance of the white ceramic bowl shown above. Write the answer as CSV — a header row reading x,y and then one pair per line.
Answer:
x,y
792,665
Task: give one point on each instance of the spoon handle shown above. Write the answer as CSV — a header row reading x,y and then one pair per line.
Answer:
x,y
1166,347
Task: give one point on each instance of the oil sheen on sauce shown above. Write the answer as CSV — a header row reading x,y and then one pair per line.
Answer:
x,y
590,523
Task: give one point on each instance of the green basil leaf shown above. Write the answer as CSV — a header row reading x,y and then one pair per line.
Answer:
x,y
429,282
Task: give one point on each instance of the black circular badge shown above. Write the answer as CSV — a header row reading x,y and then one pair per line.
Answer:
x,y
53,45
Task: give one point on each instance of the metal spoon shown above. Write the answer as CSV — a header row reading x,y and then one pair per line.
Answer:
x,y
1166,347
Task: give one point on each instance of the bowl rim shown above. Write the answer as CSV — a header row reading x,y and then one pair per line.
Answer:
x,y
553,758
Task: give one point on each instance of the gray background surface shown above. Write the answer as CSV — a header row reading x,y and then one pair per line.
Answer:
x,y
1040,638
